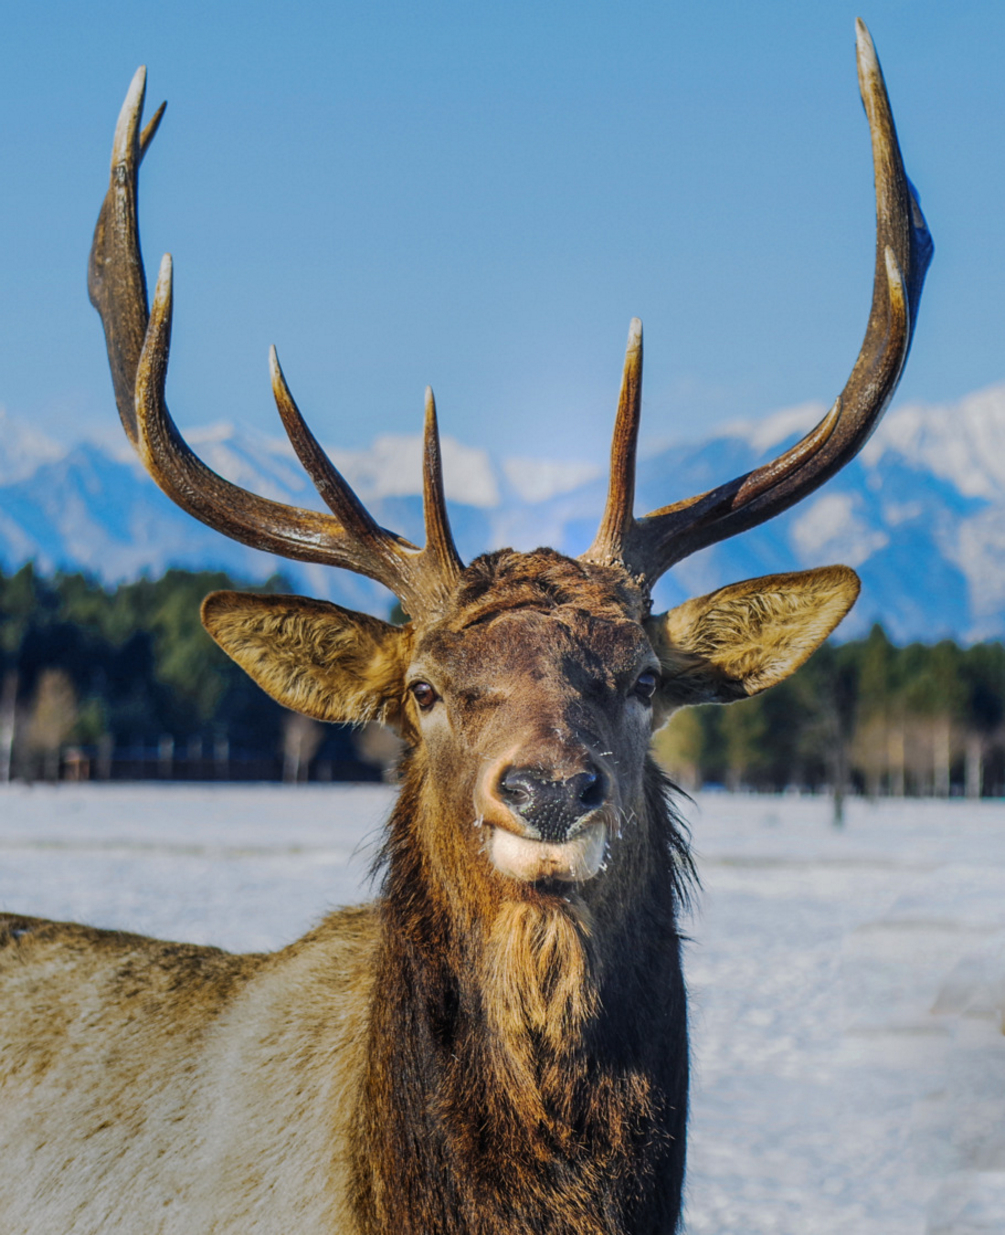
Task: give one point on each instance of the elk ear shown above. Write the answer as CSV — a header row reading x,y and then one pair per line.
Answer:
x,y
311,656
746,637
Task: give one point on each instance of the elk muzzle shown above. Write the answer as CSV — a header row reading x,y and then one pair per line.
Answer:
x,y
552,808
541,825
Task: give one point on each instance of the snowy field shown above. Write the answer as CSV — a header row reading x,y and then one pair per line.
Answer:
x,y
847,988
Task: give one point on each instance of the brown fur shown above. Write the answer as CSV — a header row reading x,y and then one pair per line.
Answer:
x,y
541,1096
475,1055
500,1045
317,658
139,1088
748,636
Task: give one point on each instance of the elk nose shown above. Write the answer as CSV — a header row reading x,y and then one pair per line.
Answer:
x,y
551,807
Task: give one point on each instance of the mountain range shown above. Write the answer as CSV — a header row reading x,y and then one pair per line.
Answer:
x,y
920,513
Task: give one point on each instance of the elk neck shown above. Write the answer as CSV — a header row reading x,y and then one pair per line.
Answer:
x,y
523,1043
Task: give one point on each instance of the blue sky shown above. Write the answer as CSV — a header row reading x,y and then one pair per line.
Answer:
x,y
482,196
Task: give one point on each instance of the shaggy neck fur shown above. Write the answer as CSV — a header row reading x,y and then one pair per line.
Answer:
x,y
527,1055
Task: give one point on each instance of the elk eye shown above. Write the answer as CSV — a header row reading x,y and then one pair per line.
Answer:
x,y
425,696
645,686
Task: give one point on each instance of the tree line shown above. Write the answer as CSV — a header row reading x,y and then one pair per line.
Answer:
x,y
865,716
125,680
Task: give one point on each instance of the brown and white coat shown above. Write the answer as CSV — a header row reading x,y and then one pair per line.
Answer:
x,y
498,1044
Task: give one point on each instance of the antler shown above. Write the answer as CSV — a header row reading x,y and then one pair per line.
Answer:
x,y
138,343
649,546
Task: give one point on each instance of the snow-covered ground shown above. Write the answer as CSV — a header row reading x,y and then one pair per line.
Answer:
x,y
847,988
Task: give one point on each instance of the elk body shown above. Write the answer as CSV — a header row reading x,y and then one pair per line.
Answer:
x,y
499,1042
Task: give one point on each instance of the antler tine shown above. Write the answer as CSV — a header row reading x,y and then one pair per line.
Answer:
x,y
257,521
115,279
618,520
440,551
138,346
150,130
422,579
903,251
337,493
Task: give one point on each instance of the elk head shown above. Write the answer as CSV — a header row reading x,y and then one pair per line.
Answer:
x,y
526,684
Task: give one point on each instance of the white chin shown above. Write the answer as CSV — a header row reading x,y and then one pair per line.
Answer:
x,y
530,860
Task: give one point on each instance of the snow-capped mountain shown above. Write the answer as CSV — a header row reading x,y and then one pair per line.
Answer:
x,y
22,449
920,513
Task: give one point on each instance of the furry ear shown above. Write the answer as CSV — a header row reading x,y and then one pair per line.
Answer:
x,y
311,656
746,637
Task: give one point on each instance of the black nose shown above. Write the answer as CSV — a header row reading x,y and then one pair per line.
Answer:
x,y
551,807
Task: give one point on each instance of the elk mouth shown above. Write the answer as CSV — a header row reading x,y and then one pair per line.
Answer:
x,y
532,861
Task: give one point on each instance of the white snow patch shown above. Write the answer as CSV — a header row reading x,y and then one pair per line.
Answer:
x,y
536,480
962,442
392,467
19,546
23,449
830,527
978,550
846,986
772,430
267,466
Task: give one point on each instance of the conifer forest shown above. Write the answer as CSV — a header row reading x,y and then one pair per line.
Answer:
x,y
124,683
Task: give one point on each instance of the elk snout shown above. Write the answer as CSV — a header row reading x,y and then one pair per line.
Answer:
x,y
551,807
541,826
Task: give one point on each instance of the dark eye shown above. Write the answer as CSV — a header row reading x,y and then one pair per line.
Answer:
x,y
425,696
645,686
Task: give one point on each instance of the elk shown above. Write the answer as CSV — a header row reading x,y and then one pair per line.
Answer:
x,y
497,1044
